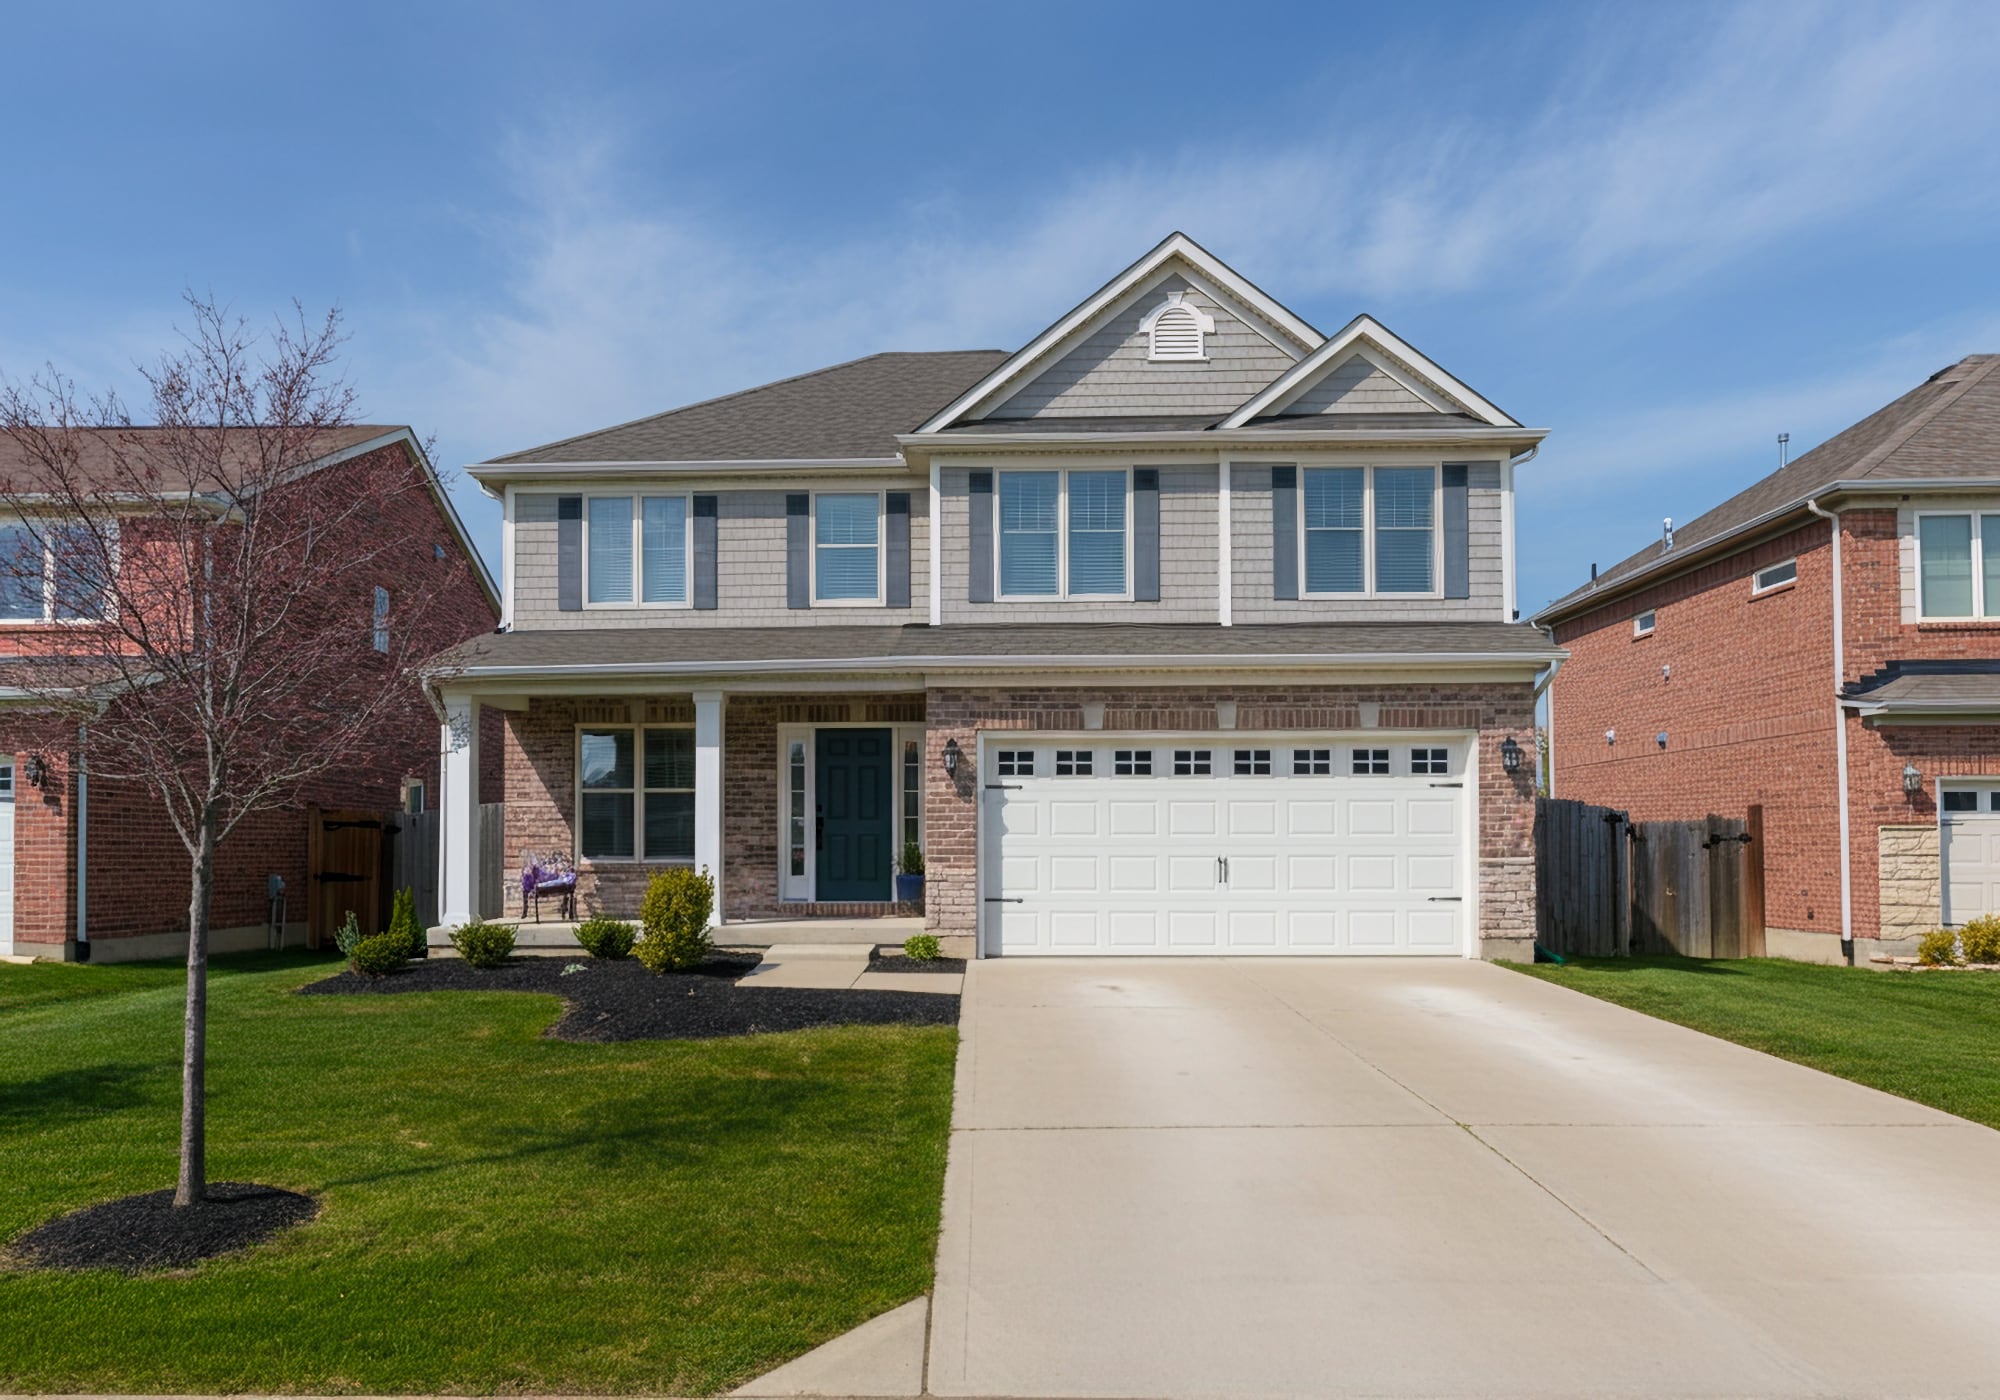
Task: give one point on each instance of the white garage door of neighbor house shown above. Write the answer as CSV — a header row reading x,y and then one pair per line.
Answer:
x,y
1225,845
6,858
1969,851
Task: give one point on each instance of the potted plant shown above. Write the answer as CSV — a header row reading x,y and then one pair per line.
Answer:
x,y
910,878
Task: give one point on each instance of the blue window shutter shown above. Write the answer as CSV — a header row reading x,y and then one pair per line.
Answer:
x,y
1285,532
1146,534
896,555
979,538
704,552
1457,532
798,550
569,553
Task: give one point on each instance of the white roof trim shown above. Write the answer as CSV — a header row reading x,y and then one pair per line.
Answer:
x,y
1362,332
510,471
1227,281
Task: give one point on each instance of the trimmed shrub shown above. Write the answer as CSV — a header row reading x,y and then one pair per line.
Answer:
x,y
379,956
403,923
920,947
1938,948
1981,939
606,938
348,936
483,944
913,858
675,914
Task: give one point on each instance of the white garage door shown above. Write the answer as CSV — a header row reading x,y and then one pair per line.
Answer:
x,y
1280,845
1969,848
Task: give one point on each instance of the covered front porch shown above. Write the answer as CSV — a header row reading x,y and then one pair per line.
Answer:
x,y
801,807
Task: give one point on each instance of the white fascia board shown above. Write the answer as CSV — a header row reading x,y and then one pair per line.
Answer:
x,y
1940,711
1177,245
1259,439
516,471
1365,330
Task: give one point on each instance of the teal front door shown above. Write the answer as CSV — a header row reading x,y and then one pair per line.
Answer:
x,y
855,823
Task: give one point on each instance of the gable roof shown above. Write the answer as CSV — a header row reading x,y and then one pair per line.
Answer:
x,y
1946,429
1174,248
1395,355
846,412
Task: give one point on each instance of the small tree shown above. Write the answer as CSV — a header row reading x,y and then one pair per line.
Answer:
x,y
210,584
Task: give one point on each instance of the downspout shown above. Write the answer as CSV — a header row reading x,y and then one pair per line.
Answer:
x,y
1541,689
82,844
1840,741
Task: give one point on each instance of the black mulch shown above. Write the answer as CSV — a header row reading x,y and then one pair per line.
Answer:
x,y
136,1233
900,962
608,1001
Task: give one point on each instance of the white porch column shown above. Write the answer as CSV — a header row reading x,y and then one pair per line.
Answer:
x,y
708,789
458,860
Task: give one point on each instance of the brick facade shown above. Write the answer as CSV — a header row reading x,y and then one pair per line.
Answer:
x,y
1748,710
136,892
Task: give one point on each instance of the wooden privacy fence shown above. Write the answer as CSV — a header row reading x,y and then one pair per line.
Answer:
x,y
1607,886
359,860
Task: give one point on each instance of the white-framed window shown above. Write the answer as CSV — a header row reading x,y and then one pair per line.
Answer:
x,y
1370,762
795,808
1132,763
1772,579
1193,763
847,547
636,551
635,793
1176,329
413,796
1965,801
913,791
380,619
1075,763
64,588
1252,763
1312,763
1014,763
1642,625
1369,531
6,780
1958,564
1430,761
1065,534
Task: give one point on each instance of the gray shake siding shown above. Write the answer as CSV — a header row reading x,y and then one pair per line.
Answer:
x,y
1188,564
1250,562
1110,373
750,565
1357,387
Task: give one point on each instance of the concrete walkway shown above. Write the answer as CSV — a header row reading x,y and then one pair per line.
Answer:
x,y
1210,1178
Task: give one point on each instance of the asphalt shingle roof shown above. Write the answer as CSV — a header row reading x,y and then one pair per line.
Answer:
x,y
851,410
1946,427
891,646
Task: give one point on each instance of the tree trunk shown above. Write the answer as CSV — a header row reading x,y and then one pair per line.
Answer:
x,y
193,1184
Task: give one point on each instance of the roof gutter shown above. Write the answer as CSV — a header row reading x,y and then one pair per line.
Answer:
x,y
1276,439
1840,739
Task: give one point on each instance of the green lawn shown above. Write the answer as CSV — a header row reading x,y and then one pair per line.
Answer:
x,y
1933,1036
499,1211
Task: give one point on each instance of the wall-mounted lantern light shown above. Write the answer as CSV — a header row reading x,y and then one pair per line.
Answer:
x,y
951,758
1913,781
1510,754
1661,738
1610,736
38,770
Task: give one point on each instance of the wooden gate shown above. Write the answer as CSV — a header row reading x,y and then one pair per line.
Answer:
x,y
1607,886
413,861
343,871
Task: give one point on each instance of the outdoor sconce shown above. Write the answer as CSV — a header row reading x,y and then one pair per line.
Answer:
x,y
1510,755
1913,781
951,758
1661,738
38,770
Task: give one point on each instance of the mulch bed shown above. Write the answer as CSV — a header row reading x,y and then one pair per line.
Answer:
x,y
136,1233
612,1001
899,962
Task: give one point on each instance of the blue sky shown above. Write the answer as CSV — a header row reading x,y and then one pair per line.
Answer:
x,y
1665,232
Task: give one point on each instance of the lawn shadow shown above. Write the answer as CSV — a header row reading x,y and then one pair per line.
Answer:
x,y
1711,967
76,1093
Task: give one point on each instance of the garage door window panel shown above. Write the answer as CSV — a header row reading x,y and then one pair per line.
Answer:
x,y
1312,763
1252,763
1434,762
1370,762
1132,763
1192,763
1074,763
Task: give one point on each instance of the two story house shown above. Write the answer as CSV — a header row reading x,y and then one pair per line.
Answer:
x,y
1825,643
1185,628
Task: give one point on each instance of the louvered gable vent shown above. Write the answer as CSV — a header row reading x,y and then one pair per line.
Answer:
x,y
1176,330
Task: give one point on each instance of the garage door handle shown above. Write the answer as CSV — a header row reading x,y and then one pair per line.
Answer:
x,y
1456,785
1447,899
1003,787
1003,899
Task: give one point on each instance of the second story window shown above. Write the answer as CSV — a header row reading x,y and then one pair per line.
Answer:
x,y
847,547
1958,565
381,620
636,551
1369,530
53,574
1063,534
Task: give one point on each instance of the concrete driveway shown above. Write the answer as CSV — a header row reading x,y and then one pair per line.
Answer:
x,y
1265,1178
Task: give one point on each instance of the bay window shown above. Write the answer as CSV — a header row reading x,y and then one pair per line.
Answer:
x,y
1369,530
1958,565
635,551
1064,534
636,793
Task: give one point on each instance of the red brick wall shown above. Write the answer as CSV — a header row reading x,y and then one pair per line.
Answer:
x,y
1506,805
138,874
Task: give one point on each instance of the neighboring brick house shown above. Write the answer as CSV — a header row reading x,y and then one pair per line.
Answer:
x,y
1843,673
1184,629
127,896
